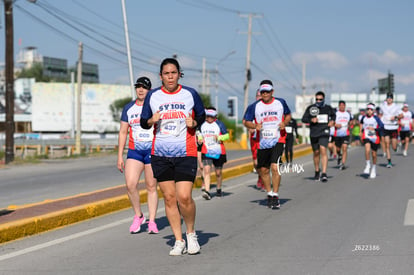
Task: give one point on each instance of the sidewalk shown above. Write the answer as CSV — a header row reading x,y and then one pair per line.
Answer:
x,y
40,217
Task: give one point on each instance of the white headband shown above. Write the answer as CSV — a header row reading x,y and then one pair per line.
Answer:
x,y
266,87
211,112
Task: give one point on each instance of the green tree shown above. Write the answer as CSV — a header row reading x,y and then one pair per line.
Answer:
x,y
35,71
206,100
117,106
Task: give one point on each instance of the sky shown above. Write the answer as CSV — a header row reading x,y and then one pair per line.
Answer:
x,y
346,45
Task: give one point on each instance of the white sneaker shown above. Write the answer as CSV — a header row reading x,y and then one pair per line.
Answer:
x,y
178,249
384,155
405,153
373,174
366,170
193,246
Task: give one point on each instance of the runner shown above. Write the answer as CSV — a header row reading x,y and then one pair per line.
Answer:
x,y
356,139
213,133
371,131
320,116
291,130
406,127
175,111
138,158
341,135
391,113
269,117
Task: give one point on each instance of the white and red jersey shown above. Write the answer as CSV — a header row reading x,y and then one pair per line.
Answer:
x,y
270,115
374,122
172,137
389,115
406,121
342,118
139,138
210,133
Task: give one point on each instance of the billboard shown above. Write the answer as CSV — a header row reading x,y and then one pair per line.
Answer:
x,y
22,100
54,106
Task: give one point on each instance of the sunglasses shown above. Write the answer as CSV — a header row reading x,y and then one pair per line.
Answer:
x,y
268,92
319,99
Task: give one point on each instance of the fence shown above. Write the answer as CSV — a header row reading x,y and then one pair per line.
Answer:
x,y
59,147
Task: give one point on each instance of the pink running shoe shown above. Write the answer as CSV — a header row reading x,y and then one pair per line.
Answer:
x,y
152,227
136,224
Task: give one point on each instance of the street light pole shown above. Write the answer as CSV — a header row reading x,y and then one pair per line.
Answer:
x,y
131,74
218,63
8,12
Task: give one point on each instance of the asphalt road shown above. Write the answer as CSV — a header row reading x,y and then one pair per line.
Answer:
x,y
54,179
348,225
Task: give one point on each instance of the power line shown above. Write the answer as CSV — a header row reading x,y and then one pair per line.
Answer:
x,y
283,59
68,37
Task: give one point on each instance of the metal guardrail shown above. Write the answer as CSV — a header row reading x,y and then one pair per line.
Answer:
x,y
62,142
58,147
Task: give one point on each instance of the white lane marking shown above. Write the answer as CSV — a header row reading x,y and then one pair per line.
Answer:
x,y
87,232
61,240
409,213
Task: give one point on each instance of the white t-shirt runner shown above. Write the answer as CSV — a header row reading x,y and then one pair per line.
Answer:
x,y
388,112
270,115
407,121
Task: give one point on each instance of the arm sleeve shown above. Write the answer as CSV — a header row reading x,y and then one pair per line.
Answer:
x,y
224,137
286,109
332,114
146,112
223,129
380,128
124,116
249,114
199,111
306,116
295,127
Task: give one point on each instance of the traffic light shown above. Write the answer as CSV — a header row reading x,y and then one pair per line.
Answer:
x,y
230,105
391,83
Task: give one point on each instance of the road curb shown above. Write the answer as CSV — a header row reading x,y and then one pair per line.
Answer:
x,y
30,226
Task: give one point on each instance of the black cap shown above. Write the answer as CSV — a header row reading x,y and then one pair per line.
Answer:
x,y
144,82
390,95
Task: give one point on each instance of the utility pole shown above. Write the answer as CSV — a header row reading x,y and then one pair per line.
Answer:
x,y
303,96
8,12
248,72
203,76
131,75
79,101
72,85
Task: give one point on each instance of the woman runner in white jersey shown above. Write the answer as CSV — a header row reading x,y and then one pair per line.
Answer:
x,y
138,158
175,111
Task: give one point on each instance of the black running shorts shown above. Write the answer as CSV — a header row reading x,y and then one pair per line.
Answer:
x,y
265,157
319,141
374,146
176,169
